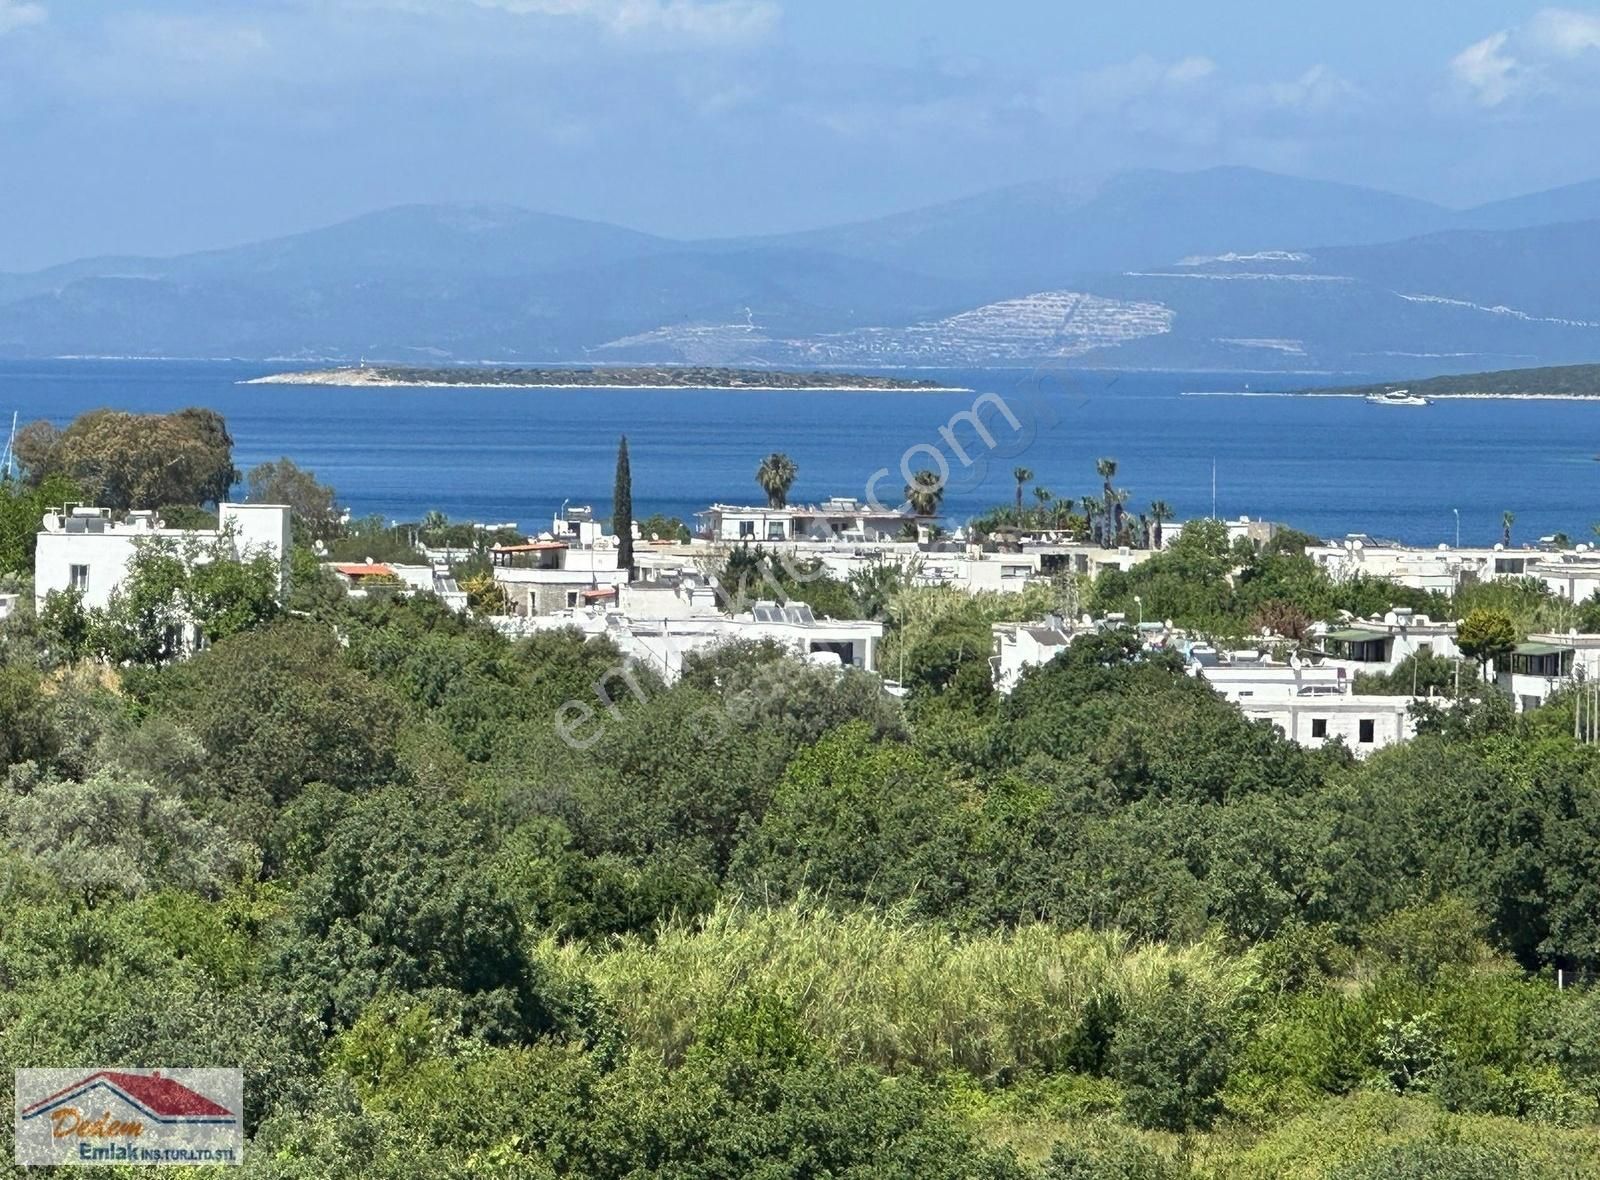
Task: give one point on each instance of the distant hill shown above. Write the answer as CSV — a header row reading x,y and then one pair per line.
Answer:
x,y
1037,235
1572,202
1554,381
1227,268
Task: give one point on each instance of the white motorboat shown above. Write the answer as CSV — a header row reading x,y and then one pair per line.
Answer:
x,y
1398,397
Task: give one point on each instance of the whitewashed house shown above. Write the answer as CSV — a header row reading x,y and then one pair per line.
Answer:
x,y
1310,704
1020,646
662,643
1378,645
545,576
1442,569
362,579
1573,575
1544,664
87,550
839,518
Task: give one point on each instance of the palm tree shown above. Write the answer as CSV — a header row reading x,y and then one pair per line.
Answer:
x,y
1117,499
1107,470
776,475
1022,475
1092,507
434,522
1160,511
925,493
1507,519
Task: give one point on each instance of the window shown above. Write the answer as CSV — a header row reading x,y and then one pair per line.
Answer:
x,y
1319,727
572,598
80,578
1368,731
747,528
775,530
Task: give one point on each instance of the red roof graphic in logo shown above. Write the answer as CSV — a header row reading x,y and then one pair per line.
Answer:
x,y
162,1099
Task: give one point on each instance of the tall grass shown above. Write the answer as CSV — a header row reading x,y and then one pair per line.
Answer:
x,y
881,989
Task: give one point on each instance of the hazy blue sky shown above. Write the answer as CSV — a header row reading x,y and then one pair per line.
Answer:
x,y
167,125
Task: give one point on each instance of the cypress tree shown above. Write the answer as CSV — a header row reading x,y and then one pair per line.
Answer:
x,y
622,510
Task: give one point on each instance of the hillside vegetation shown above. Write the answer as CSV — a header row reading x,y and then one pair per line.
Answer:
x,y
1553,381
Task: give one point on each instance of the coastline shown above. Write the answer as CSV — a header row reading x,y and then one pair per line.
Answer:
x,y
350,382
1432,397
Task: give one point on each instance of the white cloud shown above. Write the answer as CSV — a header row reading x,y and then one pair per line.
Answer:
x,y
1562,32
1548,55
1317,91
1487,71
17,14
1191,69
718,22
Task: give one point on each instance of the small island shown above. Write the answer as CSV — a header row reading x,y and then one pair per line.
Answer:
x,y
617,377
1558,381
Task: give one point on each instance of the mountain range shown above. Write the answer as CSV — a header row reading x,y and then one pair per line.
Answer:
x,y
1227,268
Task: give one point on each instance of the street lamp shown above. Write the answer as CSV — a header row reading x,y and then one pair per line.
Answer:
x,y
1139,602
1457,511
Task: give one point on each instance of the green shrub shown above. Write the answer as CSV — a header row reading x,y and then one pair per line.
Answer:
x,y
1440,1161
1171,1053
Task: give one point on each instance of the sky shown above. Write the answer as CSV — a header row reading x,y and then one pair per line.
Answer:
x,y
164,126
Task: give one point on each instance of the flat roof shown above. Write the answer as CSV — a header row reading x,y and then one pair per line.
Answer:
x,y
530,547
1541,649
1356,635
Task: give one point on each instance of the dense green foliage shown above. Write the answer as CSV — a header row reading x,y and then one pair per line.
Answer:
x,y
769,921
120,460
773,923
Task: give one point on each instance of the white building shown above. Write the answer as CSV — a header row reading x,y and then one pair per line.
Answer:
x,y
1310,704
1442,569
1089,560
1541,666
8,603
674,597
1020,646
364,578
1573,575
84,549
1378,645
1365,723
545,576
840,518
662,643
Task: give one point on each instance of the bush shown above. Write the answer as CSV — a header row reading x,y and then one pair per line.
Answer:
x,y
1172,1053
1440,1161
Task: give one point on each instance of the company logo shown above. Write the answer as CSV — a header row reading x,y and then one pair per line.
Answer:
x,y
134,1116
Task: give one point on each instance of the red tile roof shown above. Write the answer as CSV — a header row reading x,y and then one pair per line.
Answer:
x,y
161,1098
531,547
364,570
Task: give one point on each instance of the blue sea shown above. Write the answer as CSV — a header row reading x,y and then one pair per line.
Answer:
x,y
1327,465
